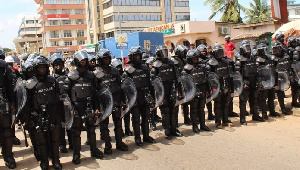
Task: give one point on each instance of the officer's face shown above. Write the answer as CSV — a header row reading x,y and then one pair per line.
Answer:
x,y
82,62
58,67
92,63
42,70
136,58
195,60
106,61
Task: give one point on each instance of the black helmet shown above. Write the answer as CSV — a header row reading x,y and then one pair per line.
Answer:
x,y
202,48
133,51
292,42
191,54
24,56
179,49
161,51
32,56
145,56
91,57
104,53
40,60
56,58
2,53
279,36
150,60
218,51
298,40
262,49
79,56
245,48
116,62
27,66
277,49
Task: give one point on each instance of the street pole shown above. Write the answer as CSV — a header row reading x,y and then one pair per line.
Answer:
x,y
120,31
37,40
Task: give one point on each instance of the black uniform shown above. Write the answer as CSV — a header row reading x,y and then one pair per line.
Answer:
x,y
7,81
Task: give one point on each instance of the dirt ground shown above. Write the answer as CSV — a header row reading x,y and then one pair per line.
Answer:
x,y
274,144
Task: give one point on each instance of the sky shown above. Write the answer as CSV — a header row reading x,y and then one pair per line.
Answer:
x,y
14,10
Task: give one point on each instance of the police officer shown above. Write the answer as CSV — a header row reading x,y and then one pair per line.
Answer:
x,y
221,65
246,65
294,55
139,73
197,69
60,74
203,56
7,107
116,63
281,61
164,68
43,92
110,77
91,62
81,87
180,60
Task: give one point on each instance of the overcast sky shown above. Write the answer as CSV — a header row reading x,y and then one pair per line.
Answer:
x,y
14,10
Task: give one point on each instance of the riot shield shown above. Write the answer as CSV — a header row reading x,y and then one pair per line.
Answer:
x,y
267,77
214,85
238,84
69,112
159,92
296,69
106,103
283,81
130,92
188,89
21,95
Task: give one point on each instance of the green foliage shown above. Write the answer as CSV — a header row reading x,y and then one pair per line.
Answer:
x,y
7,50
259,11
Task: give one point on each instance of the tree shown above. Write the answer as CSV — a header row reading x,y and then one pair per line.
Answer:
x,y
258,11
7,50
230,9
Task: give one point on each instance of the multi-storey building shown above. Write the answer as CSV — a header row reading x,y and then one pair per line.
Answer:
x,y
106,18
63,25
293,10
28,40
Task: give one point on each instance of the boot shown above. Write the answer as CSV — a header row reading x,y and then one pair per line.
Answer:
x,y
243,121
168,134
122,146
211,117
96,153
285,112
187,120
76,159
138,141
196,129
149,139
107,149
57,166
63,149
265,116
10,162
233,114
274,114
16,141
44,166
257,118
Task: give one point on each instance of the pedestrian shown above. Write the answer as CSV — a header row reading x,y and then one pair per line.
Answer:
x,y
229,47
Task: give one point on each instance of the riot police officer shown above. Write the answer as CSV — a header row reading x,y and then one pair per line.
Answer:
x,y
294,56
81,88
139,73
43,92
7,99
197,69
116,63
164,68
203,55
180,60
91,62
60,74
222,66
110,77
246,65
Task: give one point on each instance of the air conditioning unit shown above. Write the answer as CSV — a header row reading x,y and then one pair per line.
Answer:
x,y
224,30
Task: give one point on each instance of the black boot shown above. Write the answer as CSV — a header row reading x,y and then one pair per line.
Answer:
x,y
168,134
63,149
107,149
16,141
138,141
296,104
243,121
148,139
265,116
204,128
44,165
76,159
122,146
187,120
285,112
257,118
10,162
57,165
96,153
196,129
233,114
274,114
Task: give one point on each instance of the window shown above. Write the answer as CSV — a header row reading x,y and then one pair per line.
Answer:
x,y
50,2
54,43
78,1
53,22
66,22
68,43
136,2
67,33
138,17
66,11
168,11
182,17
81,42
65,1
54,34
108,20
80,33
79,21
79,11
52,11
181,3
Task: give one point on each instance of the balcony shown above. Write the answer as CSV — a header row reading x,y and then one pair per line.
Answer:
x,y
60,17
59,6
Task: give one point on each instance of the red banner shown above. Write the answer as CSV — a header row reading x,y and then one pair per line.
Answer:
x,y
58,16
279,10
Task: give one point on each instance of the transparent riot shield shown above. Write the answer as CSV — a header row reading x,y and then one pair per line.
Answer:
x,y
21,95
296,69
214,85
159,92
69,111
106,103
283,80
188,89
267,77
130,92
238,84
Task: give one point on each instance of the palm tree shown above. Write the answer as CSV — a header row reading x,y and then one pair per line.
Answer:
x,y
258,12
230,9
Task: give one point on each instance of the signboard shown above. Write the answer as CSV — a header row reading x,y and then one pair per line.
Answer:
x,y
165,29
58,16
87,46
60,49
121,41
147,44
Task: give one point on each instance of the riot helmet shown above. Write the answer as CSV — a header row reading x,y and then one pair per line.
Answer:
x,y
27,69
91,62
41,66
56,58
192,56
32,56
202,51
104,57
277,49
135,55
298,40
280,37
9,60
145,56
218,51
181,50
245,48
24,56
161,51
262,49
116,62
2,53
79,56
292,42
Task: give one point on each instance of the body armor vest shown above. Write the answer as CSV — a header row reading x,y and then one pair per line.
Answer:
x,y
60,78
199,74
44,92
250,68
82,88
140,78
222,70
283,63
167,72
112,80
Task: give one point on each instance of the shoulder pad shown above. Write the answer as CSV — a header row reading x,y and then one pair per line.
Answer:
x,y
286,56
242,58
90,74
130,69
260,60
157,64
175,60
213,62
2,63
30,83
99,73
188,67
50,79
73,75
